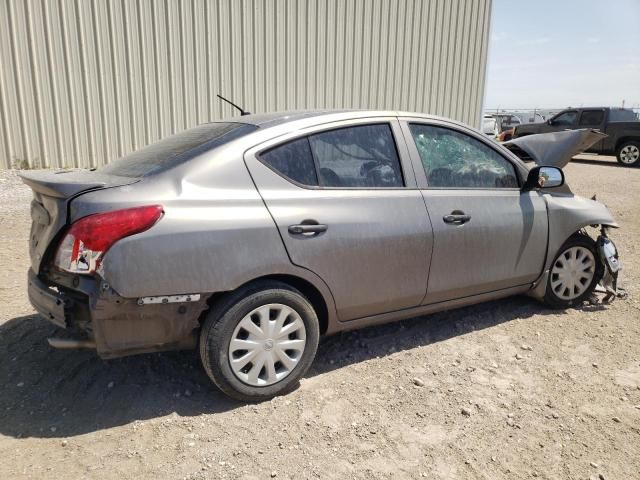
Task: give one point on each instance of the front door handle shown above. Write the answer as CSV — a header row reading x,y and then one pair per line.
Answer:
x,y
457,217
314,228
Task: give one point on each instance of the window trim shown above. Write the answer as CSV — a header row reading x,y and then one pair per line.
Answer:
x,y
408,122
331,127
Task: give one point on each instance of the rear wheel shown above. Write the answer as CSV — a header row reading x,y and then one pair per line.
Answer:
x,y
260,341
629,153
574,274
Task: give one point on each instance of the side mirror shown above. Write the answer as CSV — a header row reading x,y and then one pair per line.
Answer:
x,y
544,177
550,121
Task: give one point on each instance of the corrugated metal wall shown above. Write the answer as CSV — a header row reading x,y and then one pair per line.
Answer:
x,y
85,81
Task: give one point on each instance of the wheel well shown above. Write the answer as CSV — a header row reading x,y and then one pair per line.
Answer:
x,y
305,287
623,140
312,294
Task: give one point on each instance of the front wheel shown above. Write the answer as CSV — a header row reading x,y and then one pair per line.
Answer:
x,y
629,154
575,272
260,341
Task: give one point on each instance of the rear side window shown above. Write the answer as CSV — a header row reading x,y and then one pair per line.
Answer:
x,y
294,161
176,149
622,115
591,117
455,160
362,156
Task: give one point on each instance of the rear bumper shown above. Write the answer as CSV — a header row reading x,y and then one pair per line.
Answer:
x,y
48,302
118,326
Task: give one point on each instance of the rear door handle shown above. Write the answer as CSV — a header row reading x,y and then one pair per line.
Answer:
x,y
303,228
456,218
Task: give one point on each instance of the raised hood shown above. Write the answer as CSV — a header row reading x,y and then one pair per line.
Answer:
x,y
554,149
52,192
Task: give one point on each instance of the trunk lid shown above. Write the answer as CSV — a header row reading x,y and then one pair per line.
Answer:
x,y
52,193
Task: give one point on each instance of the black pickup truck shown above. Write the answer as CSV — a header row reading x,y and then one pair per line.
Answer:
x,y
621,126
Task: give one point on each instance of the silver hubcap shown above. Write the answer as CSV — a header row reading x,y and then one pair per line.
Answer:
x,y
629,154
572,273
267,345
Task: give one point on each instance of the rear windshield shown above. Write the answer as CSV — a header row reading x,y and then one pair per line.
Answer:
x,y
176,149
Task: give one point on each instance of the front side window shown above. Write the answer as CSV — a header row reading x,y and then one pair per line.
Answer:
x,y
591,117
455,160
362,156
567,119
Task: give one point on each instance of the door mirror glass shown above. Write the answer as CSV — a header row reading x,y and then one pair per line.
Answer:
x,y
544,177
549,177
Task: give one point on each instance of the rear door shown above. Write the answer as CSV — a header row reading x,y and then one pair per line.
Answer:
x,y
345,201
488,235
594,119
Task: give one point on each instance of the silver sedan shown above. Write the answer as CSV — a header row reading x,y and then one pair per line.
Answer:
x,y
250,238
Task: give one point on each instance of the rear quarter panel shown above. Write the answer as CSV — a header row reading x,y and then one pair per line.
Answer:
x,y
618,131
216,233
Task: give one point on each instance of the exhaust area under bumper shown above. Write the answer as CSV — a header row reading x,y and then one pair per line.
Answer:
x,y
69,343
112,325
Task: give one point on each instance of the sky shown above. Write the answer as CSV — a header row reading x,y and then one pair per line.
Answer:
x,y
561,53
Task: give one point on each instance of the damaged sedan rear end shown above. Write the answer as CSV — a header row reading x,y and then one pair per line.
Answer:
x,y
78,217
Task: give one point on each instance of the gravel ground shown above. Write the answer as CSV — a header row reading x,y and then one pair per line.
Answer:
x,y
503,390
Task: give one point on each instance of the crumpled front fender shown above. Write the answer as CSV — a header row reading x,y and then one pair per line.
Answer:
x,y
567,214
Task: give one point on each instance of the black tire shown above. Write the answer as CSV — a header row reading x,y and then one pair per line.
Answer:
x,y
623,155
221,322
577,240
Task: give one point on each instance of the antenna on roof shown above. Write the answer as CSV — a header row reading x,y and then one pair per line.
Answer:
x,y
242,112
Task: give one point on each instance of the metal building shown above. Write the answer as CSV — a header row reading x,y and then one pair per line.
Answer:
x,y
83,82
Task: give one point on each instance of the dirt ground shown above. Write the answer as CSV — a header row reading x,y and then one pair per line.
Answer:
x,y
504,390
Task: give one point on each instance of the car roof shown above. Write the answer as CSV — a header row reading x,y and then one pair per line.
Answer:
x,y
277,118
597,108
266,120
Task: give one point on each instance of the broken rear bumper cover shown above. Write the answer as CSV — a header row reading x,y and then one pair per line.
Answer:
x,y
120,326
47,302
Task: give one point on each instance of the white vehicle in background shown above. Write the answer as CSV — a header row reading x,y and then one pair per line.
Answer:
x,y
490,126
508,121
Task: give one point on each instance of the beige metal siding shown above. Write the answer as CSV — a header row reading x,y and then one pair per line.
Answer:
x,y
83,82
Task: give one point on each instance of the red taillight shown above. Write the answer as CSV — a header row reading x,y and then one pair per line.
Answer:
x,y
82,248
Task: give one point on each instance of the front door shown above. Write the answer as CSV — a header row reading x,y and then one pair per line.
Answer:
x,y
487,234
593,119
347,210
567,120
